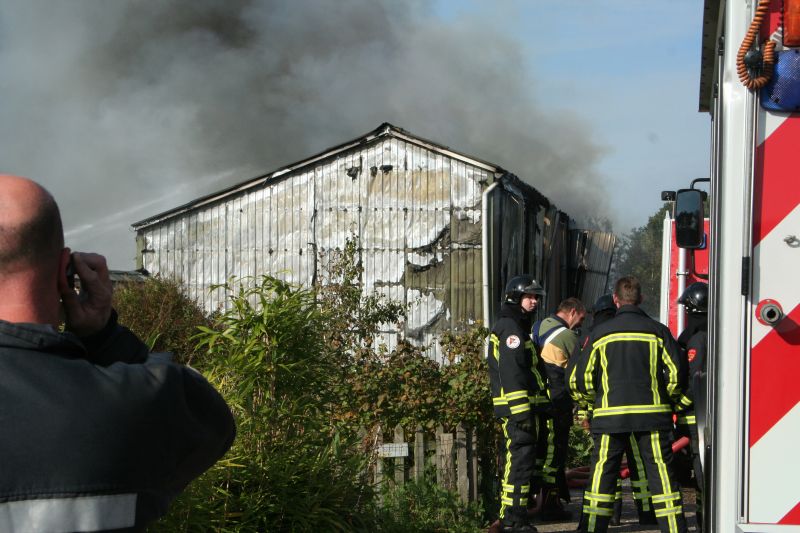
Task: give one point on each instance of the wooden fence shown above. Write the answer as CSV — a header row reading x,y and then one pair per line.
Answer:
x,y
455,458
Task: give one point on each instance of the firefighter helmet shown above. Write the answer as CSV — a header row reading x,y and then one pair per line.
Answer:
x,y
519,285
695,297
604,303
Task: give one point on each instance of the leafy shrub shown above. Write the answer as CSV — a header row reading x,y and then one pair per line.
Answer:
x,y
580,447
424,507
290,469
160,313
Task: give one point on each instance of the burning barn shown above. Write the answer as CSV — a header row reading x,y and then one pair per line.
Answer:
x,y
438,230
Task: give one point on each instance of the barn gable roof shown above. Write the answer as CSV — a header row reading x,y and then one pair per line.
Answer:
x,y
385,130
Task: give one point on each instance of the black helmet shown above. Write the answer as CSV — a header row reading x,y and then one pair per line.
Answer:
x,y
519,285
604,303
695,297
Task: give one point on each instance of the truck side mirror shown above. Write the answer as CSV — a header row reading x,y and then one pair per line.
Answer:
x,y
689,227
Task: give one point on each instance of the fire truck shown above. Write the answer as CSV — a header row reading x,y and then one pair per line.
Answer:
x,y
750,417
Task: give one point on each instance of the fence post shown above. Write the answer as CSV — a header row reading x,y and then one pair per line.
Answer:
x,y
439,447
444,453
462,477
362,439
399,462
473,463
378,465
419,454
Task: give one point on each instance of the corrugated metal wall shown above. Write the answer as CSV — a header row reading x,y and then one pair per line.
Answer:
x,y
592,253
416,212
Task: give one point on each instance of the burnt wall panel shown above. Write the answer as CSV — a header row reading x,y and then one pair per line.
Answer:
x,y
416,211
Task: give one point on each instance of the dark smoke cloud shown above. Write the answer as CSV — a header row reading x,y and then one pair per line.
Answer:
x,y
124,109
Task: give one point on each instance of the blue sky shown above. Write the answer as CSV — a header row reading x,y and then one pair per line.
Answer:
x,y
630,70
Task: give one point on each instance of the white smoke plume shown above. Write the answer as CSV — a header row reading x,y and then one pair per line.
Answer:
x,y
125,109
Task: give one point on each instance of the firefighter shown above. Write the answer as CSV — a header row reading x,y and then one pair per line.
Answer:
x,y
604,309
694,340
632,372
555,339
518,394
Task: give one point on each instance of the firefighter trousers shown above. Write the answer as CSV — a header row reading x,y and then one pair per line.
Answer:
x,y
687,427
655,449
638,476
639,488
551,453
517,459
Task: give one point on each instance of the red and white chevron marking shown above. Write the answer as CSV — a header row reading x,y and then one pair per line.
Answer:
x,y
775,352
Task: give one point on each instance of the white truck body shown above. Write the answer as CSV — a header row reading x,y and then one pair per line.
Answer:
x,y
752,430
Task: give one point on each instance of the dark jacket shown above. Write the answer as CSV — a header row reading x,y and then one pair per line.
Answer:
x,y
694,340
97,435
631,369
515,372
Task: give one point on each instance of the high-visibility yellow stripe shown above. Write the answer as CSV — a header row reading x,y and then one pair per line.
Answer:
x,y
672,496
688,419
523,489
496,350
506,470
588,380
598,511
516,395
534,362
604,371
602,457
594,497
573,383
548,466
669,511
521,408
640,488
672,381
632,410
685,401
654,374
620,337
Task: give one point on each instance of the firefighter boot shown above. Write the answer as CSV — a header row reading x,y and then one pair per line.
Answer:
x,y
524,527
617,516
552,508
648,517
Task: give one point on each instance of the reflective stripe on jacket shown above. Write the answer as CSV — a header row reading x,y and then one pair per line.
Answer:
x,y
632,371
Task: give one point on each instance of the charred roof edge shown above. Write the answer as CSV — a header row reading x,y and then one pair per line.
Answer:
x,y
384,130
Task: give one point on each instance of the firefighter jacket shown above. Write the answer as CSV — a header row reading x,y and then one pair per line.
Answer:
x,y
98,434
694,339
632,371
515,371
557,344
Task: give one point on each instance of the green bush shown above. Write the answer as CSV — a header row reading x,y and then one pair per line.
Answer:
x,y
424,507
160,313
290,469
580,447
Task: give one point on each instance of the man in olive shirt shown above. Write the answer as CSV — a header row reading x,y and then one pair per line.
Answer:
x,y
555,339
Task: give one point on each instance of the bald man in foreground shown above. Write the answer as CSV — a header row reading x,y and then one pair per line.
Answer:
x,y
96,434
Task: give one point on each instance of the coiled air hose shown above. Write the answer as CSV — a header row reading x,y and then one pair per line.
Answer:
x,y
746,67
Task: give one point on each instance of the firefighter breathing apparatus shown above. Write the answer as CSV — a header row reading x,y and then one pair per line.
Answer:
x,y
774,68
